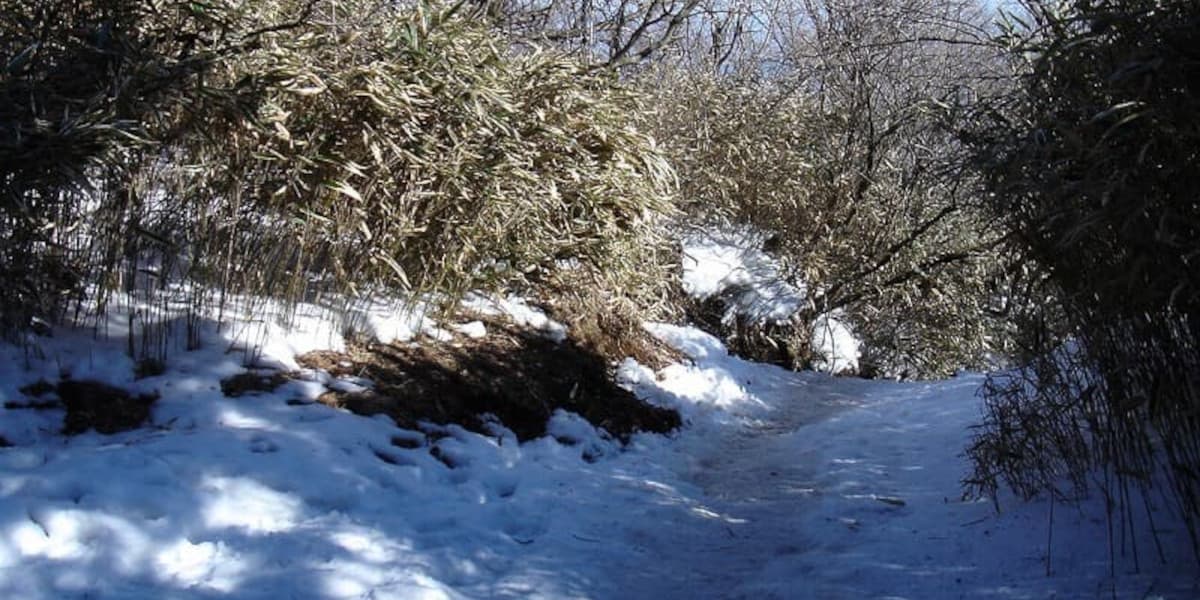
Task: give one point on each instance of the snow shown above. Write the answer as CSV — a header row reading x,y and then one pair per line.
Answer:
x,y
834,344
519,311
473,329
732,263
733,266
782,485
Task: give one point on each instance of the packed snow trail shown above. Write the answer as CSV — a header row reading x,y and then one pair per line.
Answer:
x,y
783,485
828,497
845,488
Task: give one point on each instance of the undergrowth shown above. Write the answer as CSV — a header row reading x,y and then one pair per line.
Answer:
x,y
289,149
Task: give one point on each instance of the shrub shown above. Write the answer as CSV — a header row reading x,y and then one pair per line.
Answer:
x,y
85,87
355,147
1092,166
868,227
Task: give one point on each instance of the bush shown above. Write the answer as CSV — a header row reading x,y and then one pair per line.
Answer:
x,y
295,148
85,86
1092,166
868,227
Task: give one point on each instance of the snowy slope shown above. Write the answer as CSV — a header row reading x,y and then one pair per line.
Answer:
x,y
783,485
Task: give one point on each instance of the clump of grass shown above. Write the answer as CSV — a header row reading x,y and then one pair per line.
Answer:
x,y
420,152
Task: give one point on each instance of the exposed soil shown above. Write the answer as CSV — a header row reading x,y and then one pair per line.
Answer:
x,y
51,404
516,375
252,382
36,397
88,404
99,406
38,388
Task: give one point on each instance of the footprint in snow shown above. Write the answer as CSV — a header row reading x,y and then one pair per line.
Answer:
x,y
502,486
393,458
262,445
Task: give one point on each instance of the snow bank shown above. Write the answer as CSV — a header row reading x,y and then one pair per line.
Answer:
x,y
834,345
273,495
733,266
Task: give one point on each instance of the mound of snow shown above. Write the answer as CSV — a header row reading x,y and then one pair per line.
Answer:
x,y
834,344
732,265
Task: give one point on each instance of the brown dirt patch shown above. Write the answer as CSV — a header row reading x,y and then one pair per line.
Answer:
x,y
38,388
252,382
516,375
105,408
33,404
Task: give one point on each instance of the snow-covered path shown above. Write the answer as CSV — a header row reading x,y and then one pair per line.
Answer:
x,y
835,497
784,485
844,488
756,481
820,496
